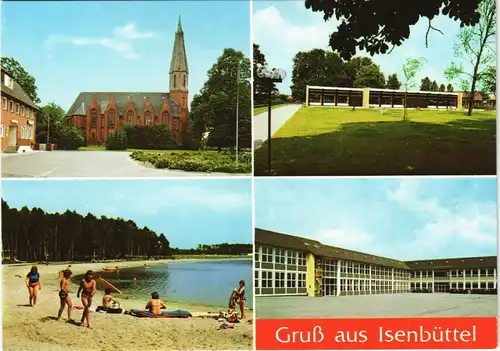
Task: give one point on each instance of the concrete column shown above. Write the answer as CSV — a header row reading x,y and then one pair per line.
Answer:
x,y
459,101
479,278
494,278
392,281
432,281
450,276
366,98
421,274
463,273
339,262
370,282
307,95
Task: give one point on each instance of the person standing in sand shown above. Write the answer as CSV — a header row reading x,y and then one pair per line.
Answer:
x,y
34,284
241,295
64,294
88,289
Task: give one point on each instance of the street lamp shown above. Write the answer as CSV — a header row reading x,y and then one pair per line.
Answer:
x,y
270,75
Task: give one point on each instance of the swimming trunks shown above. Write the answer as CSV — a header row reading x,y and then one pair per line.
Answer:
x,y
63,295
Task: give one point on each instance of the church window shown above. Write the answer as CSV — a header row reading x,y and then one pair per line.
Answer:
x,y
148,117
111,117
130,114
93,118
102,121
165,117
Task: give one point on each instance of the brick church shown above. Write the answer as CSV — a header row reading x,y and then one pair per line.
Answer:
x,y
98,114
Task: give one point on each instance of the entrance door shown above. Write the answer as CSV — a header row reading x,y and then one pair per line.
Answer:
x,y
441,287
13,136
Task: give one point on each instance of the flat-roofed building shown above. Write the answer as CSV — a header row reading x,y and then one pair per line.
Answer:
x,y
291,265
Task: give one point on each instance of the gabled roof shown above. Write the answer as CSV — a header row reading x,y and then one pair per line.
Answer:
x,y
16,92
83,101
454,263
267,237
178,62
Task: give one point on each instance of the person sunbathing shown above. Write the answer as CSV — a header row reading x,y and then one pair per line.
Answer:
x,y
155,304
109,304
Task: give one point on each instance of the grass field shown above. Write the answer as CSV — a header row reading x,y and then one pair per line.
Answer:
x,y
336,141
262,109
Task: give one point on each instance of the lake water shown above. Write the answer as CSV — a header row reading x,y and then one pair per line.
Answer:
x,y
204,282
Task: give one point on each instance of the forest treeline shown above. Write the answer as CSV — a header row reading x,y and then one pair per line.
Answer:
x,y
36,235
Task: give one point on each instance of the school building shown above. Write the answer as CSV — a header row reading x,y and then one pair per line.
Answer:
x,y
290,265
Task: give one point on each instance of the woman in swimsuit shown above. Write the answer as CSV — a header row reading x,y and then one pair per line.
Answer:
x,y
155,304
88,285
241,295
64,295
34,284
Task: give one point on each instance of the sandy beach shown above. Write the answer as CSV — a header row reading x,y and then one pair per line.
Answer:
x,y
35,328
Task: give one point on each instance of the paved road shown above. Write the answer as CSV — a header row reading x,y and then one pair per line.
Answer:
x,y
278,117
381,306
84,164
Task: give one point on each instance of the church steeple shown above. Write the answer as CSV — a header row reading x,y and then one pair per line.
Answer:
x,y
179,71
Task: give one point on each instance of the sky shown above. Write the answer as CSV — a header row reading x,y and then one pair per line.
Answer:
x,y
118,45
283,28
189,212
399,218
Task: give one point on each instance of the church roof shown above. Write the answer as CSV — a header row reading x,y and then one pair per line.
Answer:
x,y
179,57
83,101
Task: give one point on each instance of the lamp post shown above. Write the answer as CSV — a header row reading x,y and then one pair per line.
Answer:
x,y
270,76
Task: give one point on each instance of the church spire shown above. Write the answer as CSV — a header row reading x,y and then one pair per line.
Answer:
x,y
179,59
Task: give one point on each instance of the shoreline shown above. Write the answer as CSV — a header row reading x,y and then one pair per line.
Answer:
x,y
26,328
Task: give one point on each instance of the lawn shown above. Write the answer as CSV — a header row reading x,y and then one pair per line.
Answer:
x,y
339,141
262,109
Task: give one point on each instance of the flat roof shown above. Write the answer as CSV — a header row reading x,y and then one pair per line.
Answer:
x,y
317,87
287,241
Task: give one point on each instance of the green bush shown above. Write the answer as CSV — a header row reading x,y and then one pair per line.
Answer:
x,y
200,161
153,137
117,141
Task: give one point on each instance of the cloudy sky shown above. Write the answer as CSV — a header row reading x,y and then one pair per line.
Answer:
x,y
283,28
406,219
188,212
118,46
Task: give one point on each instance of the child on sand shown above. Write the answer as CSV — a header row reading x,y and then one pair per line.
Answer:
x,y
64,294
88,285
34,284
155,304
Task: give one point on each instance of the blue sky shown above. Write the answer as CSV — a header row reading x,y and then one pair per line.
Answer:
x,y
118,46
188,212
406,219
283,28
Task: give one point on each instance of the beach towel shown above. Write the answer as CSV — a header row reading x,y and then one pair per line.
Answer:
x,y
164,314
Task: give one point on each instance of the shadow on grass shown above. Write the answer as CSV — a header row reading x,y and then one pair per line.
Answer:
x,y
461,147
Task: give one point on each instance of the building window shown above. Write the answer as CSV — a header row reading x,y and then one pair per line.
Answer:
x,y
130,115
102,121
93,135
302,280
93,119
4,103
18,109
27,112
23,111
111,117
11,106
267,254
267,279
279,279
165,117
148,117
301,259
279,256
2,131
291,280
256,282
291,258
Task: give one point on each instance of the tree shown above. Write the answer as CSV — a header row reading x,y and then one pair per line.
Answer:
x,y
425,84
489,81
22,77
213,111
52,119
434,86
477,46
393,82
374,25
260,87
363,72
442,88
449,88
410,69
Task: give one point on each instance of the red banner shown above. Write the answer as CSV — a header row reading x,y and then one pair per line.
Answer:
x,y
376,333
